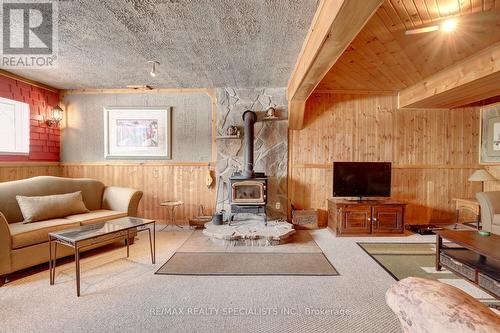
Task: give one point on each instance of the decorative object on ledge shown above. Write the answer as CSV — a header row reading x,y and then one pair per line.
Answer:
x,y
482,176
56,116
233,132
271,114
137,132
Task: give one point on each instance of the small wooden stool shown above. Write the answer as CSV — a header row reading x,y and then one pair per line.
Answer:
x,y
172,205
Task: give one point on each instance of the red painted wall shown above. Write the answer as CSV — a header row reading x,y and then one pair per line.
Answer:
x,y
44,141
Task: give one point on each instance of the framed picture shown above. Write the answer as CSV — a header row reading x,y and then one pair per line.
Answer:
x,y
137,133
489,150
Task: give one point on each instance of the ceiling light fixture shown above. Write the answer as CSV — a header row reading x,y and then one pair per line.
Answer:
x,y
422,30
153,67
447,26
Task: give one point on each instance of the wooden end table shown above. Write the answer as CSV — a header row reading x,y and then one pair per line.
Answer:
x,y
467,204
94,235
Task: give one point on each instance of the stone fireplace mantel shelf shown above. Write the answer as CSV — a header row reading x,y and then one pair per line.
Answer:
x,y
252,232
226,137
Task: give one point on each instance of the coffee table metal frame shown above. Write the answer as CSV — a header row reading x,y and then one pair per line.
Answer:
x,y
122,234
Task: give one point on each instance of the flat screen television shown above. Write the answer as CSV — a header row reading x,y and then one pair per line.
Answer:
x,y
361,179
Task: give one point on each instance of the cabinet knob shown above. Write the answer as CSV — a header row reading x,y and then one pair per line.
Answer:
x,y
374,219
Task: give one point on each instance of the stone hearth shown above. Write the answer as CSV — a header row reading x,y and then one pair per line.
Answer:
x,y
250,232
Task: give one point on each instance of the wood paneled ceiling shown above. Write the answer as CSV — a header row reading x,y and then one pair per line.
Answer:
x,y
383,58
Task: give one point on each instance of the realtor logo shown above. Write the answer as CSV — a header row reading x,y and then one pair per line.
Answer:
x,y
29,33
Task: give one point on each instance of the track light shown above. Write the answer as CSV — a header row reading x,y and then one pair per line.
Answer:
x,y
153,67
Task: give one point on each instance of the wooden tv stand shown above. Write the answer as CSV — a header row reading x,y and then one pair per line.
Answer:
x,y
365,217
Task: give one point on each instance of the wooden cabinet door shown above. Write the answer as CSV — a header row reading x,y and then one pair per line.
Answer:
x,y
355,220
387,219
332,215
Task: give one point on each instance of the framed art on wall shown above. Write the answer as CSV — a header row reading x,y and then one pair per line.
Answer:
x,y
489,149
137,133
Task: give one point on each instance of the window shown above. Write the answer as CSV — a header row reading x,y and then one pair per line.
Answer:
x,y
14,127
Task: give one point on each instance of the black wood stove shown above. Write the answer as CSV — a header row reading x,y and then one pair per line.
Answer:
x,y
248,188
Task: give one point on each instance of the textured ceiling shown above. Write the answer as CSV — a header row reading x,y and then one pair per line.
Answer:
x,y
199,43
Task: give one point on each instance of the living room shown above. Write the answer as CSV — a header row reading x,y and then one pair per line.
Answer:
x,y
319,165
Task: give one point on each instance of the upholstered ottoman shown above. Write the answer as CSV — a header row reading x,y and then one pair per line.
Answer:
x,y
423,305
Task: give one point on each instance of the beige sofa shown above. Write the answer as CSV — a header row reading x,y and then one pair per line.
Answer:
x,y
490,211
25,245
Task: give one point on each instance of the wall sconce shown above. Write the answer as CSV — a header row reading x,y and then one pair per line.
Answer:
x,y
57,116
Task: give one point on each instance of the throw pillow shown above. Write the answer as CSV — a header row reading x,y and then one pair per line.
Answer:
x,y
51,206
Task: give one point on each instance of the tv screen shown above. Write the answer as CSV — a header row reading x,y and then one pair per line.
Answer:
x,y
361,179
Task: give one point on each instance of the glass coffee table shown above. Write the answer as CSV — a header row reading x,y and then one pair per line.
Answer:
x,y
94,235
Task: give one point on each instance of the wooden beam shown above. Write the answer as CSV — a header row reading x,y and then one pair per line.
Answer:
x,y
208,91
28,81
470,80
334,26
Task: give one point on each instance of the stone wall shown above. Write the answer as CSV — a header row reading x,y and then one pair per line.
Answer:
x,y
271,140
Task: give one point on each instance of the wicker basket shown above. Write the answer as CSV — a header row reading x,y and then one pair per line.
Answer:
x,y
489,283
461,268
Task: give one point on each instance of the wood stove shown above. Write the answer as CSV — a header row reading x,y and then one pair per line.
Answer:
x,y
248,188
248,192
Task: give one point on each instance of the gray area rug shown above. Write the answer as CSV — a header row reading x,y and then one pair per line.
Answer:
x,y
224,263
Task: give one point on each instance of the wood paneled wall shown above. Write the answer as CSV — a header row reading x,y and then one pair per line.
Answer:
x,y
433,151
159,182
19,170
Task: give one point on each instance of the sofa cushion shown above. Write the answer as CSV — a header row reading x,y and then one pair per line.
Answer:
x,y
95,216
41,208
26,234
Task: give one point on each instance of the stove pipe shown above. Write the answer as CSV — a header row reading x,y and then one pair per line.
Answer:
x,y
249,118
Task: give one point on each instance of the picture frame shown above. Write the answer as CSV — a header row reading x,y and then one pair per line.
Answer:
x,y
142,133
489,134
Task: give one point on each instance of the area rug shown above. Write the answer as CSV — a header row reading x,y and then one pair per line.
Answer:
x,y
200,255
402,260
211,263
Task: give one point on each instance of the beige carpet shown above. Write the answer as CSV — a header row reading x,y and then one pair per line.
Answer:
x,y
122,294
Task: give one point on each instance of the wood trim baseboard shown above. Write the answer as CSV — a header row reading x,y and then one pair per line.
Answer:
x,y
129,163
104,163
28,164
354,92
394,166
208,91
